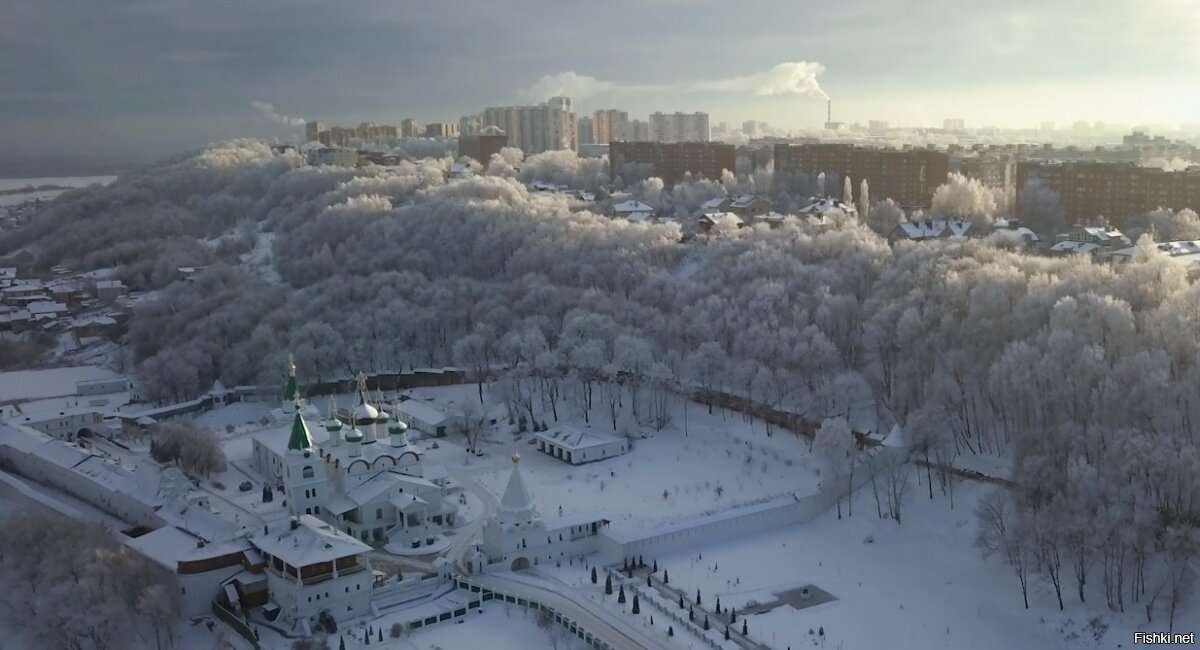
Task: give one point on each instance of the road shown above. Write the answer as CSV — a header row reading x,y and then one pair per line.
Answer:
x,y
617,632
468,535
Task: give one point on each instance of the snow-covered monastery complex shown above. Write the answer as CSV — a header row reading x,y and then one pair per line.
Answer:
x,y
373,489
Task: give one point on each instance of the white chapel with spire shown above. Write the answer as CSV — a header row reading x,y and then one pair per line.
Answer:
x,y
517,537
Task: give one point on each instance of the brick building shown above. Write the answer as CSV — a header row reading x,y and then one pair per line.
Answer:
x,y
1114,190
481,147
907,176
672,160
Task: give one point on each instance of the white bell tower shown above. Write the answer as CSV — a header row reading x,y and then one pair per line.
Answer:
x,y
304,479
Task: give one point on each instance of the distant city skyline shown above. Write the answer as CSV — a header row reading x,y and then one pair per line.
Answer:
x,y
143,80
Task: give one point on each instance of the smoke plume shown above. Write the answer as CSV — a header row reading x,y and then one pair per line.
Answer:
x,y
789,78
268,111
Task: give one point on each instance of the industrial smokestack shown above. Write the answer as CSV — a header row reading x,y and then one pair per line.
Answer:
x,y
829,110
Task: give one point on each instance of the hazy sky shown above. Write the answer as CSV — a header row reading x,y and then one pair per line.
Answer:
x,y
142,78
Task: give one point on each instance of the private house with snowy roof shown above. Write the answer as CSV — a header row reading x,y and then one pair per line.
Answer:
x,y
1097,241
633,210
110,289
375,490
719,222
930,229
746,206
577,447
517,537
1012,230
825,208
1185,253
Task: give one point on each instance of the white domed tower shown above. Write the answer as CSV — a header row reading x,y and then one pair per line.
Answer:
x,y
333,427
304,479
354,441
398,434
364,414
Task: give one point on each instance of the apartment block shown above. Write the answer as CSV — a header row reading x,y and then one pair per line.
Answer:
x,y
907,176
679,127
671,161
481,146
611,124
546,127
1113,190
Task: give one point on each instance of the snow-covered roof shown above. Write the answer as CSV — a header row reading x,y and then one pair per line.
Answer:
x,y
772,217
1105,234
630,206
109,284
827,207
8,272
934,228
516,499
408,502
1019,233
744,200
897,437
311,542
46,307
719,217
168,546
1184,252
382,483
18,385
276,438
576,439
1070,246
425,412
713,204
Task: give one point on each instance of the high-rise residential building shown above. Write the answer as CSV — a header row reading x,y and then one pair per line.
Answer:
x,y
410,128
441,130
610,124
1047,127
637,131
877,126
585,130
1089,190
907,176
672,160
480,146
954,124
679,127
470,124
338,136
312,131
750,128
546,127
720,129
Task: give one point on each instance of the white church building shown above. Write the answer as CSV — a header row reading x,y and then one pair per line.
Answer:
x,y
516,537
375,490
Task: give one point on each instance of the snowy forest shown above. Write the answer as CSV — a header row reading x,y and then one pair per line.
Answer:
x,y
1085,375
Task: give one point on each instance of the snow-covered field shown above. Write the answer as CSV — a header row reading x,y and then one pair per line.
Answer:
x,y
922,584
45,195
720,462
